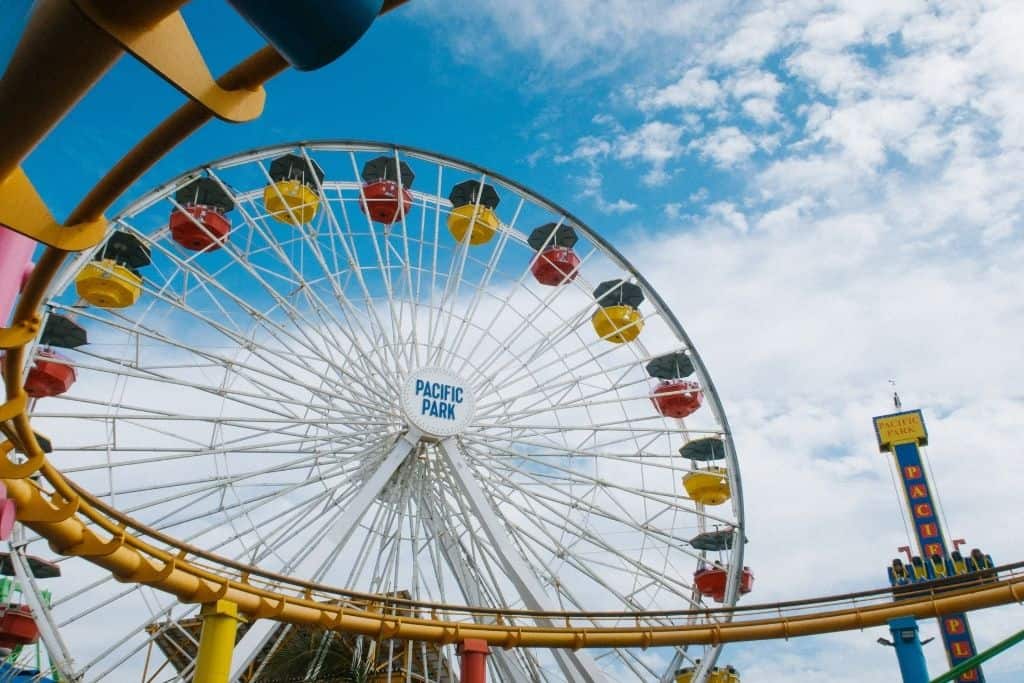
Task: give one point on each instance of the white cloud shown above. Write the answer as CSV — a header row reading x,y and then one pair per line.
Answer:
x,y
592,188
760,109
589,149
656,143
726,146
728,215
694,90
755,83
865,131
569,33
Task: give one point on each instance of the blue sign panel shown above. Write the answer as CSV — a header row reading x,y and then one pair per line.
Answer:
x,y
923,515
956,631
956,635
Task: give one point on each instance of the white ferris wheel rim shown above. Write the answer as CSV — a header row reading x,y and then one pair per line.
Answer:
x,y
471,442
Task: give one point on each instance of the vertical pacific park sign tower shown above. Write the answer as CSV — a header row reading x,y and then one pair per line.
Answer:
x,y
903,434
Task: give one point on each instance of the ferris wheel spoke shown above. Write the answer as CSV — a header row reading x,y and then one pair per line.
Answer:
x,y
172,455
453,281
217,360
253,426
475,587
551,339
322,310
574,377
484,556
522,577
216,291
598,438
433,269
412,293
485,280
224,512
589,349
556,478
164,612
352,258
570,475
543,303
482,561
281,301
555,504
259,636
237,368
205,483
518,445
102,656
384,269
600,549
256,400
289,310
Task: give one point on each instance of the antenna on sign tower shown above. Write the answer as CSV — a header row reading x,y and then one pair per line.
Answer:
x,y
895,396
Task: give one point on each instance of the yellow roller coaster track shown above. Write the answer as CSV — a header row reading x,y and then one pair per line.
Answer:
x,y
64,50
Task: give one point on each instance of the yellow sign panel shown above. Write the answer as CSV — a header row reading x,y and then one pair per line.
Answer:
x,y
900,428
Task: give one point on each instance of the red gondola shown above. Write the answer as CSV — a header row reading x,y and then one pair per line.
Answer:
x,y
186,230
48,377
202,224
381,199
555,265
17,626
677,397
384,200
710,581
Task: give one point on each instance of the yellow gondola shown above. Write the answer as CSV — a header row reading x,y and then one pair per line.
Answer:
x,y
473,205
291,202
708,487
481,228
107,284
617,324
292,197
618,317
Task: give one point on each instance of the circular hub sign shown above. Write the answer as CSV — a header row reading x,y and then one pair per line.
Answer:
x,y
438,402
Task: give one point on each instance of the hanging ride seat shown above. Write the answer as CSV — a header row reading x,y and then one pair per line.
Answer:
x,y
708,487
202,223
618,318
677,398
50,375
473,207
293,196
384,199
556,263
17,626
112,279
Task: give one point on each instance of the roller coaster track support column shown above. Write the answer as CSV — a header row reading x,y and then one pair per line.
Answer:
x,y
473,654
908,650
217,641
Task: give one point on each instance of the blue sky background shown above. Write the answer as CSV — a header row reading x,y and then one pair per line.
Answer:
x,y
827,193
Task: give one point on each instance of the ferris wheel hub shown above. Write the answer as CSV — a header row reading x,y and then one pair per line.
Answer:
x,y
438,402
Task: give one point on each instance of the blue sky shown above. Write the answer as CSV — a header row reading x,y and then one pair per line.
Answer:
x,y
827,194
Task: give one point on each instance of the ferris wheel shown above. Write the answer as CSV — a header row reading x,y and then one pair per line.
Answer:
x,y
373,367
